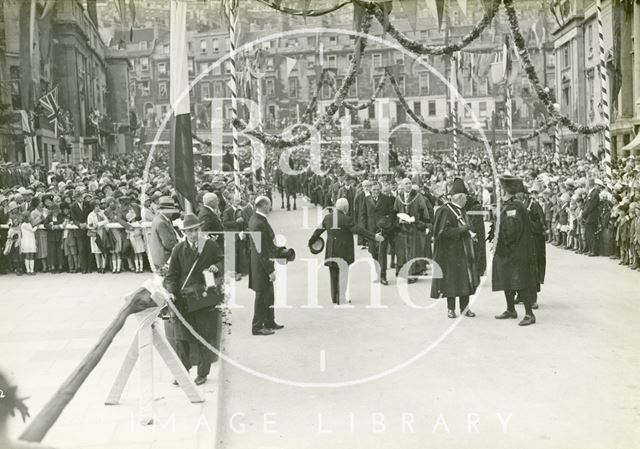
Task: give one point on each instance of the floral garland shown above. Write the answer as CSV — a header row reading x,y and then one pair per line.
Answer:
x,y
303,12
461,131
530,70
421,49
275,141
369,102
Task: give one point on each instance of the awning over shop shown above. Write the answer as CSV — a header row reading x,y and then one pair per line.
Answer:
x,y
633,145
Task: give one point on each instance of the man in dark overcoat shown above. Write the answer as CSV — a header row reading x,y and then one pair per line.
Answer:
x,y
538,226
515,268
262,271
189,259
454,253
339,252
377,209
590,216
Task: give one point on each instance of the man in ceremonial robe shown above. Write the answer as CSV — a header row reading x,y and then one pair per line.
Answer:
x,y
454,252
410,238
515,268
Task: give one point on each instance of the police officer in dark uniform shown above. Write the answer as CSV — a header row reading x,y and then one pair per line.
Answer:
x,y
515,268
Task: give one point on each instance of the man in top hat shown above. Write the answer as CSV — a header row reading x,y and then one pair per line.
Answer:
x,y
209,215
262,271
234,221
162,238
189,260
378,216
340,230
515,267
538,226
362,193
590,216
348,191
454,252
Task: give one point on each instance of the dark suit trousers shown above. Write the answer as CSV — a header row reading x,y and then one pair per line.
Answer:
x,y
84,249
378,251
338,280
590,235
263,312
526,296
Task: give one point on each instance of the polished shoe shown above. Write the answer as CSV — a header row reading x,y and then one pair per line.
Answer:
x,y
384,282
200,380
507,314
534,306
263,332
412,281
451,314
275,327
527,320
469,314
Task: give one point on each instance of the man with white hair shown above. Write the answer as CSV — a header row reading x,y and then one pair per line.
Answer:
x,y
262,271
590,216
340,229
210,215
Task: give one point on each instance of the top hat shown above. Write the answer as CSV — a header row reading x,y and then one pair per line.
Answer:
x,y
511,184
458,187
282,252
384,223
316,246
190,221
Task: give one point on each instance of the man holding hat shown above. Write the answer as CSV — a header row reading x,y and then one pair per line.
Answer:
x,y
378,216
190,259
515,267
262,271
454,252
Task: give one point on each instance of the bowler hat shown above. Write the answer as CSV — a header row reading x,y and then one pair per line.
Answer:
x,y
190,221
316,246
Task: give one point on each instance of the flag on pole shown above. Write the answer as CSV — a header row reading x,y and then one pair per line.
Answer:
x,y
49,102
181,152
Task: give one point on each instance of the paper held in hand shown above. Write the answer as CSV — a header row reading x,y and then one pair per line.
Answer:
x,y
209,278
404,218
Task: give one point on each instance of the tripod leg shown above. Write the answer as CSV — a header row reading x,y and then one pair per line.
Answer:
x,y
123,375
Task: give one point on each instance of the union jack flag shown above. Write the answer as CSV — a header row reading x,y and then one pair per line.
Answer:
x,y
50,103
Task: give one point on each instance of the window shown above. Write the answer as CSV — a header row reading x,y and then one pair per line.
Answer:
x,y
162,68
590,40
227,67
143,45
217,89
203,46
165,49
424,81
269,63
311,41
467,110
144,88
566,95
398,58
202,67
332,61
204,91
271,87
417,108
372,111
144,64
424,35
190,65
215,45
483,108
326,91
376,83
333,40
293,87
377,59
401,84
349,58
162,90
311,61
432,108
565,56
353,90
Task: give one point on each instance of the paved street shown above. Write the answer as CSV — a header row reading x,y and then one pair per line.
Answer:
x,y
569,381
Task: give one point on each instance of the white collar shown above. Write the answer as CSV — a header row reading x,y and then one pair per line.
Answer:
x,y
260,213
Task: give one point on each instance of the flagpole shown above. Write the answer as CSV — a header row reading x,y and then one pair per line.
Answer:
x,y
454,99
509,121
604,90
232,15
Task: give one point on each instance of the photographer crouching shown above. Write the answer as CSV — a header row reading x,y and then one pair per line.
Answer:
x,y
194,281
